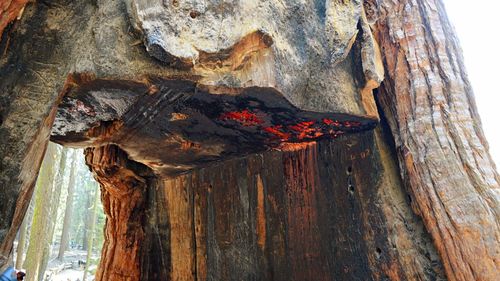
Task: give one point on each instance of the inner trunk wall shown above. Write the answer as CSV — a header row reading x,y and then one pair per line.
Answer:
x,y
313,211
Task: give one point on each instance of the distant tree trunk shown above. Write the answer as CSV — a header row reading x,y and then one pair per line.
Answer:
x,y
25,230
38,235
86,222
21,243
90,234
43,262
69,209
54,205
443,154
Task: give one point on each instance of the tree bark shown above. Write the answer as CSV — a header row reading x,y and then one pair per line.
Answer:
x,y
123,200
442,151
68,212
10,10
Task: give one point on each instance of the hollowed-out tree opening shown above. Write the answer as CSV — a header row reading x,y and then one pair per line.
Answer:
x,y
201,182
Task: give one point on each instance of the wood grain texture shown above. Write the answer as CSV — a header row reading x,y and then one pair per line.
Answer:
x,y
443,154
312,211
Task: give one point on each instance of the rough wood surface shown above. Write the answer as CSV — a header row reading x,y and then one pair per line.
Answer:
x,y
54,44
313,211
122,195
443,154
180,126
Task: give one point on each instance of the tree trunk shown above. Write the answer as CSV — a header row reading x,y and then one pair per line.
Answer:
x,y
235,141
52,219
29,221
123,200
68,212
87,222
21,243
90,241
443,154
39,234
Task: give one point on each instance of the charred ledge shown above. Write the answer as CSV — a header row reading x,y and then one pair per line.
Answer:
x,y
173,126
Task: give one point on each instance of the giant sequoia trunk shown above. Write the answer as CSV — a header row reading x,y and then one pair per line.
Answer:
x,y
236,141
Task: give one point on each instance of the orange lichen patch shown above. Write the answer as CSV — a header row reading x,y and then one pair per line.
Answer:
x,y
187,145
244,117
277,132
288,146
309,130
176,116
299,127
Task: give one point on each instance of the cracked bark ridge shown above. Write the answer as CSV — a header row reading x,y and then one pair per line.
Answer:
x,y
443,154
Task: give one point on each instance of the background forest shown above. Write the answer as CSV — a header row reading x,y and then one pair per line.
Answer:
x,y
62,234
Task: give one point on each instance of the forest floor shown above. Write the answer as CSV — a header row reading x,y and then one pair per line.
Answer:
x,y
72,268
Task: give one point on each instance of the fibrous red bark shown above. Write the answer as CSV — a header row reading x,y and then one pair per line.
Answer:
x,y
443,154
122,194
